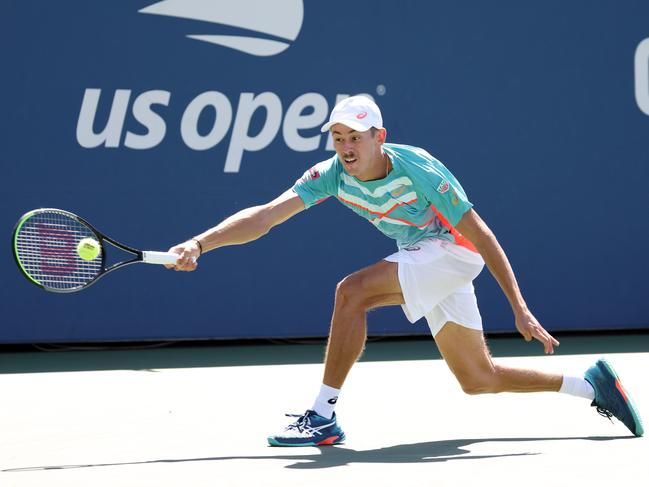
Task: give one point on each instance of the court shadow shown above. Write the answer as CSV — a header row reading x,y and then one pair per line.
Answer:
x,y
338,456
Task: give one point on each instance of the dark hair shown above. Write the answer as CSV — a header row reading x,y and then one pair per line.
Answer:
x,y
373,131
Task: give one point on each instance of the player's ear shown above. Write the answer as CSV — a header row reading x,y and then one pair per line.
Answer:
x,y
381,134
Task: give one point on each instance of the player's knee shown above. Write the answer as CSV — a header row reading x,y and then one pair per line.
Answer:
x,y
474,388
350,292
486,382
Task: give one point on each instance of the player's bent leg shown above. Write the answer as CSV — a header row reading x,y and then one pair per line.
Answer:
x,y
467,355
372,287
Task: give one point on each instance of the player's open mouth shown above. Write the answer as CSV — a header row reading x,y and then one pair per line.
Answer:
x,y
350,161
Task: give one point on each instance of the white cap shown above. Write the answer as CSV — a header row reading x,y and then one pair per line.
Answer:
x,y
359,113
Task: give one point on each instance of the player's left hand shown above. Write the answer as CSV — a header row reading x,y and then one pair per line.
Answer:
x,y
529,327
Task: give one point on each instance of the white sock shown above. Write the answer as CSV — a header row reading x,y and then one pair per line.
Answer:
x,y
326,401
577,386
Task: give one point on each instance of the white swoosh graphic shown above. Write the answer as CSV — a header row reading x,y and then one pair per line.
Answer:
x,y
381,190
377,208
249,45
279,18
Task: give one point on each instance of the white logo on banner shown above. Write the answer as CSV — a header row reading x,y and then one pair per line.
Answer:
x,y
226,121
278,18
307,111
642,76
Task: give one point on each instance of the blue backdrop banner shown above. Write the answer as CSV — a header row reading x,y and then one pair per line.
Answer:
x,y
156,120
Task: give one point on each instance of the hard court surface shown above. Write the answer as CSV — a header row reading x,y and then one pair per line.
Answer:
x,y
199,416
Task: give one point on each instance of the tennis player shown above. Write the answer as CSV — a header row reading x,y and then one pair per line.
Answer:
x,y
443,244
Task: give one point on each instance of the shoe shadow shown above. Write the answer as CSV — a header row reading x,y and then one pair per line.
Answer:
x,y
427,452
338,456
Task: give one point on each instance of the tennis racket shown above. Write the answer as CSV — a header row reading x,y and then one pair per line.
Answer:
x,y
45,248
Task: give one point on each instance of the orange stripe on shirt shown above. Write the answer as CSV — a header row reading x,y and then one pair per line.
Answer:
x,y
321,200
414,224
459,238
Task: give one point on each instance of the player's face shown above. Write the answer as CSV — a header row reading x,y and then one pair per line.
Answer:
x,y
360,152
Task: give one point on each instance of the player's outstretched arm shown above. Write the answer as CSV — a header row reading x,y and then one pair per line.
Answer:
x,y
477,231
242,227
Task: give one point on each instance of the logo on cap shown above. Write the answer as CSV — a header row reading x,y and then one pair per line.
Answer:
x,y
361,115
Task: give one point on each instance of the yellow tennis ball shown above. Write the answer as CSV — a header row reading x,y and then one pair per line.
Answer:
x,y
88,248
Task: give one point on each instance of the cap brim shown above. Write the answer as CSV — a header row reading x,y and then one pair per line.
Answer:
x,y
352,124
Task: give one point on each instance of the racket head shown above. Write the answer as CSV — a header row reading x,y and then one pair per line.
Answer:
x,y
44,245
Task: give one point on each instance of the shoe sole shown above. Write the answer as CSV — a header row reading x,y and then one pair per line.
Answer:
x,y
332,440
603,364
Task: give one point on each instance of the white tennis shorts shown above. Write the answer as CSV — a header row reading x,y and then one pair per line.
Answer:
x,y
436,281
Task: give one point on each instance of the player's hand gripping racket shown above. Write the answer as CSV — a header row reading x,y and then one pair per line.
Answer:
x,y
48,248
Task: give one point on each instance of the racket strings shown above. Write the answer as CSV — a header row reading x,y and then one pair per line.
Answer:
x,y
46,247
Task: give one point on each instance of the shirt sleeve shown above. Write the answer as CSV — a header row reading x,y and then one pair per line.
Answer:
x,y
317,183
440,188
449,198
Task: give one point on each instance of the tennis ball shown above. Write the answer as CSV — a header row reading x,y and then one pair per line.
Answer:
x,y
88,248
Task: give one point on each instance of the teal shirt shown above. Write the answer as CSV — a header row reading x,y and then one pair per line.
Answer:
x,y
418,199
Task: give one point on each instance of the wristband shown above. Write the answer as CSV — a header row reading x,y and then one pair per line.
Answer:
x,y
200,246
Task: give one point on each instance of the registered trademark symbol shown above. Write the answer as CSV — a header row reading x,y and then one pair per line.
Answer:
x,y
380,90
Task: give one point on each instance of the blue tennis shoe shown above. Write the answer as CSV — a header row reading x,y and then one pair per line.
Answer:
x,y
310,429
610,397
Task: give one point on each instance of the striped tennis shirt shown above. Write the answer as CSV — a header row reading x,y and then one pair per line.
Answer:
x,y
418,199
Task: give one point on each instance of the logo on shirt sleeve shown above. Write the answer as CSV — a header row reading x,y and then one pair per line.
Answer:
x,y
397,191
443,187
314,173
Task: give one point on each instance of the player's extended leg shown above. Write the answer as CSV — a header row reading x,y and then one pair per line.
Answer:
x,y
468,357
466,353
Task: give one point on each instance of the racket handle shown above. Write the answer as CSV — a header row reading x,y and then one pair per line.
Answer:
x,y
151,257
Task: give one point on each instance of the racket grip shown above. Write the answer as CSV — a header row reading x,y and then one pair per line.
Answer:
x,y
151,257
